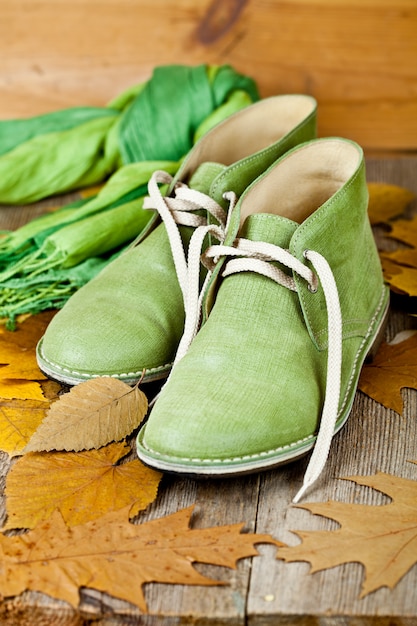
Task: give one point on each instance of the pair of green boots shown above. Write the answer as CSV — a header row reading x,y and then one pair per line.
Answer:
x,y
261,284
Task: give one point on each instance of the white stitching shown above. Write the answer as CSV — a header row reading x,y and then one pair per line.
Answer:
x,y
300,441
373,321
121,375
246,457
317,215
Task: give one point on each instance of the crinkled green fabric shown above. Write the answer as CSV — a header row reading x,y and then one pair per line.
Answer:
x,y
81,146
149,126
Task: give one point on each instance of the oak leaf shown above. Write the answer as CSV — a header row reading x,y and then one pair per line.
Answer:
x,y
82,486
382,538
91,415
117,557
393,368
387,201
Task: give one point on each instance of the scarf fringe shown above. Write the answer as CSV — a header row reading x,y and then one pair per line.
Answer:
x,y
33,264
49,290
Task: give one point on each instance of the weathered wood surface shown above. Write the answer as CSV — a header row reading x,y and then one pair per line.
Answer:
x,y
357,57
264,591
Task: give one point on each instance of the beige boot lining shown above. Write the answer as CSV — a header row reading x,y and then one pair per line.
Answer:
x,y
251,129
303,180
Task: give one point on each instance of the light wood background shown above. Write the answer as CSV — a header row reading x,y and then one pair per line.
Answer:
x,y
357,57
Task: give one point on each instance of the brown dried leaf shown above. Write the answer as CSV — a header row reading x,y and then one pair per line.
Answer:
x,y
117,557
29,331
91,415
393,368
382,538
82,486
387,201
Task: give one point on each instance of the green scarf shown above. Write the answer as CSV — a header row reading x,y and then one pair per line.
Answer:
x,y
150,126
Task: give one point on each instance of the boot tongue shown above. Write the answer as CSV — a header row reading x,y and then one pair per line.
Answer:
x,y
204,175
269,228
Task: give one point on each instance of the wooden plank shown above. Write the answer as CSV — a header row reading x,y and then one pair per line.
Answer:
x,y
359,59
374,439
264,591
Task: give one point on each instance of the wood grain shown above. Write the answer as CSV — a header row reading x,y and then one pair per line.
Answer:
x,y
374,439
264,591
358,58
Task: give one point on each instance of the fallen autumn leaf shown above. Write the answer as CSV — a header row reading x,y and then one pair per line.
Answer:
x,y
91,415
19,418
382,538
82,486
393,368
117,557
387,201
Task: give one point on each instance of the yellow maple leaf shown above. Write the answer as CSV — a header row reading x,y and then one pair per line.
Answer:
x,y
117,557
405,256
391,270
19,372
21,390
400,270
18,363
19,418
405,281
382,538
387,201
18,421
82,486
393,368
405,231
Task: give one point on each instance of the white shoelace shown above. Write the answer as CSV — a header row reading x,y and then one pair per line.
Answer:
x,y
177,210
256,257
248,256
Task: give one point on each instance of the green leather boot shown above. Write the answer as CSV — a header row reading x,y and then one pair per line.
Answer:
x,y
130,318
295,303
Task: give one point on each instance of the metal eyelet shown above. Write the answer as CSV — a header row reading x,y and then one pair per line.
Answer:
x,y
314,285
